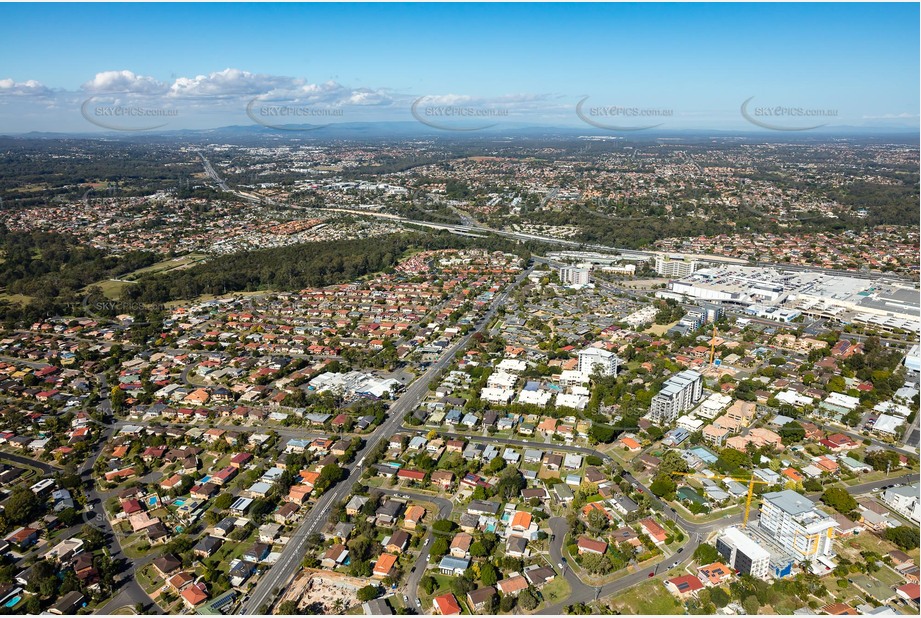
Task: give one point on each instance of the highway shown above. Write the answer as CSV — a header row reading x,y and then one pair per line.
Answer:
x,y
282,571
474,227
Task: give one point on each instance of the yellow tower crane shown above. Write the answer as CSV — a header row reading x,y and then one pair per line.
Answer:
x,y
713,346
751,487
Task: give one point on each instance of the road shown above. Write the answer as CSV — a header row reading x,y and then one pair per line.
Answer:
x,y
130,592
212,174
282,571
27,461
445,507
474,227
695,532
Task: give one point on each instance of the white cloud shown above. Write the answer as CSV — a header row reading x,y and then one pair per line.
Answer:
x,y
230,82
902,116
124,81
26,88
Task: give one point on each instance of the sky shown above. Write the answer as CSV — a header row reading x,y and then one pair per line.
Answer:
x,y
615,67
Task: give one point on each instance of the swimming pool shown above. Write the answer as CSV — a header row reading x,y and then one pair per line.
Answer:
x,y
12,602
179,501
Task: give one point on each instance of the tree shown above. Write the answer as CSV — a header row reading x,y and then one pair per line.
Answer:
x,y
706,554
751,605
439,548
602,433
444,525
663,487
812,485
882,460
527,600
44,579
731,460
428,583
478,550
488,574
92,537
223,501
287,608
368,592
791,433
507,603
903,536
719,597
22,506
839,499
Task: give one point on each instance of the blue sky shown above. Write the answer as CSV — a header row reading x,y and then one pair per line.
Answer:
x,y
688,65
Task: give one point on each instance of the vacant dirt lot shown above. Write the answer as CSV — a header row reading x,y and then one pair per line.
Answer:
x,y
333,591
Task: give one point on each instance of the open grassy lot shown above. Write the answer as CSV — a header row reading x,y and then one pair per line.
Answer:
x,y
659,329
18,299
647,598
112,288
555,591
167,265
888,577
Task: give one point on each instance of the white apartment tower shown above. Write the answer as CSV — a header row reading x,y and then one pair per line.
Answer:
x,y
744,554
794,523
574,275
674,266
678,394
596,359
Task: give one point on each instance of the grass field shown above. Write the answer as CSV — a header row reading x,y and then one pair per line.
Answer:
x,y
555,591
647,598
167,265
112,289
659,329
19,299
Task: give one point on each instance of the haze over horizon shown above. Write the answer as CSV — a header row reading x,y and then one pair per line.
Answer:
x,y
145,68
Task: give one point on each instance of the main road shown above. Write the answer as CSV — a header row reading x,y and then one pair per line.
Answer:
x,y
468,228
290,560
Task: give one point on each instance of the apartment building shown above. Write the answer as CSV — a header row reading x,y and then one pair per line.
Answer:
x,y
905,501
672,265
574,275
595,359
794,523
678,395
744,554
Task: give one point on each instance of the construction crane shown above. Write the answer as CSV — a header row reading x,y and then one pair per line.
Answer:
x,y
751,487
713,346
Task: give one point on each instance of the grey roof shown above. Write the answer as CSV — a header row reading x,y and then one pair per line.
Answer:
x,y
790,502
377,607
562,491
907,491
627,503
483,506
450,562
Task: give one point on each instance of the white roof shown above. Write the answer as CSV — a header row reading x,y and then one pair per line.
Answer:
x,y
887,424
745,544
